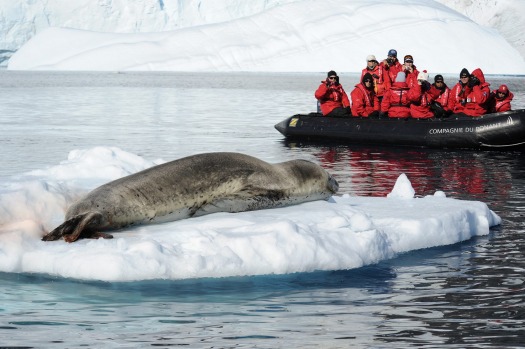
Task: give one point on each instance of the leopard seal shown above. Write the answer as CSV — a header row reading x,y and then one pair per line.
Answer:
x,y
193,186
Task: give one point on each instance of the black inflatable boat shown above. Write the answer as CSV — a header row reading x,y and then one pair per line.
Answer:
x,y
499,130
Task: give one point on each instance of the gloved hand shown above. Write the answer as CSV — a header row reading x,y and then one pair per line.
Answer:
x,y
473,81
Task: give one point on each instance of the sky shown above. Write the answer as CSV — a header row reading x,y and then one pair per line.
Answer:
x,y
287,36
343,232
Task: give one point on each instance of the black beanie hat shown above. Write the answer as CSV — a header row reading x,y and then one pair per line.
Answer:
x,y
331,73
439,78
464,71
367,76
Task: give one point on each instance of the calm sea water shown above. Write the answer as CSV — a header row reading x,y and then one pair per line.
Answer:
x,y
468,295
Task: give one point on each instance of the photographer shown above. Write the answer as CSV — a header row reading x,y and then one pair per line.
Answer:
x,y
332,97
391,66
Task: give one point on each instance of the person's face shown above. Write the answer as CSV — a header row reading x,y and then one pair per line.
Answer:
x,y
464,79
501,95
332,79
439,83
368,83
372,64
409,63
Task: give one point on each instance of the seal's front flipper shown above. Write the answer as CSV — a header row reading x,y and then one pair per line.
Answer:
x,y
90,218
65,228
72,229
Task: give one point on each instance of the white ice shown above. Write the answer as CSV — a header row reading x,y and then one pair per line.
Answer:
x,y
300,36
344,232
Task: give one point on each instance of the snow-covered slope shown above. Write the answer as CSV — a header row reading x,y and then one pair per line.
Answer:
x,y
20,20
306,35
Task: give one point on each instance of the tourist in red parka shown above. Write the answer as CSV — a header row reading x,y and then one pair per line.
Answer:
x,y
378,72
478,99
411,72
333,98
458,94
364,99
395,102
500,100
391,67
444,92
421,97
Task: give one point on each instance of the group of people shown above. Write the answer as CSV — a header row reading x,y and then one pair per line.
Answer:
x,y
400,90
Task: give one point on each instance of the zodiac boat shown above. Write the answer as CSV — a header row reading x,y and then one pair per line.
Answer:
x,y
498,130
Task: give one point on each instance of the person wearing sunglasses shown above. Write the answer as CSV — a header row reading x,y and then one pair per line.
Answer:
x,y
478,100
379,74
458,93
500,100
364,99
332,97
440,105
411,72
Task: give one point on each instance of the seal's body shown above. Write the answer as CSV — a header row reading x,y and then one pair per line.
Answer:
x,y
194,186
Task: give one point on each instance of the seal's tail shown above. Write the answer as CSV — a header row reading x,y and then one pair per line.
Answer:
x,y
73,228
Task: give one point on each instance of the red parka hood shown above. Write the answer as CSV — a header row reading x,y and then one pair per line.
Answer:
x,y
479,74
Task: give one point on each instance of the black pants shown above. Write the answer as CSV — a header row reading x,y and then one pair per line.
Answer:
x,y
339,112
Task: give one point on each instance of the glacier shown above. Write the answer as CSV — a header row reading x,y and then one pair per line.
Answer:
x,y
278,36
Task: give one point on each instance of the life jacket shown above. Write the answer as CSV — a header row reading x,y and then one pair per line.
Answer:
x,y
396,102
503,104
443,97
421,102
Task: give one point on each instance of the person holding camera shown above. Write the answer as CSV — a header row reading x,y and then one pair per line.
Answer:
x,y
332,97
411,72
421,97
391,66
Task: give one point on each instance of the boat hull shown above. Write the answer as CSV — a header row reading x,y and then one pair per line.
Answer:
x,y
500,130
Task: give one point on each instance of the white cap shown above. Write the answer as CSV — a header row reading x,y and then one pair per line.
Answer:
x,y
371,58
423,75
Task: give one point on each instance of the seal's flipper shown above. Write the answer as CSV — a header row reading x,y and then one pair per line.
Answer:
x,y
65,228
71,229
87,219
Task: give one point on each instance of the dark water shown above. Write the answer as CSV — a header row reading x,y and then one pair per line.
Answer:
x,y
467,295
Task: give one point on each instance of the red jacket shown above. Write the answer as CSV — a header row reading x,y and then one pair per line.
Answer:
x,y
331,97
381,79
420,102
391,71
364,102
478,99
411,77
458,98
444,96
395,101
500,105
